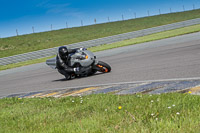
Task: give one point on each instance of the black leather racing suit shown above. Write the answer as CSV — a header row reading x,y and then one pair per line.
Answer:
x,y
62,64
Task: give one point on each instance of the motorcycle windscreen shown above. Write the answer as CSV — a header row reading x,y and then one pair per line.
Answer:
x,y
51,62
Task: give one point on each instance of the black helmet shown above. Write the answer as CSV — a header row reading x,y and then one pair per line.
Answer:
x,y
63,52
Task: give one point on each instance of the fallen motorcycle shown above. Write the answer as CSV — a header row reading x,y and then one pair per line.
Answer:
x,y
86,61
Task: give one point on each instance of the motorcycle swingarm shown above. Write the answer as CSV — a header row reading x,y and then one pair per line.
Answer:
x,y
96,68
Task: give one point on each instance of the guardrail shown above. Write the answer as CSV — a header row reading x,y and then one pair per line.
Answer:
x,y
96,42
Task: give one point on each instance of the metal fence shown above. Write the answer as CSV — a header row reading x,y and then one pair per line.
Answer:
x,y
96,42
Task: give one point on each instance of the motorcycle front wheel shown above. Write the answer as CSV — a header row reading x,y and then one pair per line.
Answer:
x,y
104,67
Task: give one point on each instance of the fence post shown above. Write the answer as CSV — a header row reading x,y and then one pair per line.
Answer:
x,y
135,15
95,21
66,25
170,10
51,26
183,8
159,12
33,29
81,22
108,19
17,32
122,17
193,7
148,12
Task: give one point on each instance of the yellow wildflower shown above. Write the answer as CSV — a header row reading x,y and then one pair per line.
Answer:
x,y
120,107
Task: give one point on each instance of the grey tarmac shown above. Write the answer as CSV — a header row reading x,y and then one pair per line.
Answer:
x,y
172,58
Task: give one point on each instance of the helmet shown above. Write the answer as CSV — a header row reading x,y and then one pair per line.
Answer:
x,y
63,52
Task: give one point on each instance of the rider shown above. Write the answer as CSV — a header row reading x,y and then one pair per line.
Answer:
x,y
62,60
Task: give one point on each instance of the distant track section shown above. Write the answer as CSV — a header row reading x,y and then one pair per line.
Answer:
x,y
96,42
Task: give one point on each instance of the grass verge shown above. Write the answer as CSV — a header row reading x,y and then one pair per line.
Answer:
x,y
101,113
37,41
152,37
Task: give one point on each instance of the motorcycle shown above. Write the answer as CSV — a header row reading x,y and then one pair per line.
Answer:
x,y
86,61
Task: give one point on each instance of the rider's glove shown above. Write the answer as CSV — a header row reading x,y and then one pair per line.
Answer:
x,y
77,69
83,49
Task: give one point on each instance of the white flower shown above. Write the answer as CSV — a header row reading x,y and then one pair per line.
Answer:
x,y
173,105
73,101
169,107
157,99
81,101
150,95
152,114
152,101
106,109
178,113
156,119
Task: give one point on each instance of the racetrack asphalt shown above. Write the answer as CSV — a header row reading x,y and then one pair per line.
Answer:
x,y
172,58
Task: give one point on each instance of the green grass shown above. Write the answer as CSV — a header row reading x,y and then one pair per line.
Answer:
x,y
152,37
178,113
27,43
